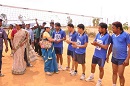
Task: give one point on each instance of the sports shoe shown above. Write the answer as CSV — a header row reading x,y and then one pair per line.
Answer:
x,y
11,55
90,78
56,72
49,73
82,77
60,68
73,73
67,68
99,83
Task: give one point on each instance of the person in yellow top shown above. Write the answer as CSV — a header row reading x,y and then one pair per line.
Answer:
x,y
49,57
9,34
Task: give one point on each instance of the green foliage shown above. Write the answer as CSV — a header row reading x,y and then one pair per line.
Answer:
x,y
110,27
95,21
125,26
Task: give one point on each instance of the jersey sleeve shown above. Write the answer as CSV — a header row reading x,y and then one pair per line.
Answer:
x,y
64,34
111,41
4,35
75,37
108,40
86,39
53,34
128,39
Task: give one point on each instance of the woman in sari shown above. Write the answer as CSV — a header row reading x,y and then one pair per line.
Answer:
x,y
19,42
50,63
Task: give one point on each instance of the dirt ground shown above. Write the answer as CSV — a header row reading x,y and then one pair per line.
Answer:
x,y
35,76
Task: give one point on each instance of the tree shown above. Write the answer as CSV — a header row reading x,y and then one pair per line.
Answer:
x,y
95,22
94,19
110,28
125,26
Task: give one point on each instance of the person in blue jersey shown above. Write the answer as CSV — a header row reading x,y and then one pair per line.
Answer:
x,y
120,57
101,43
59,35
70,52
80,45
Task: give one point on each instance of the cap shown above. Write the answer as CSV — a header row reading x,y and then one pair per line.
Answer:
x,y
47,25
18,23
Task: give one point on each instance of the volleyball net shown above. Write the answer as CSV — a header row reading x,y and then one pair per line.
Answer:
x,y
12,14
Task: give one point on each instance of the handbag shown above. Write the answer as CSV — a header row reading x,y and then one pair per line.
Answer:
x,y
45,44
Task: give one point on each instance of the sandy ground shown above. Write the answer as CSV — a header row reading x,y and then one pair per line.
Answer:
x,y
35,76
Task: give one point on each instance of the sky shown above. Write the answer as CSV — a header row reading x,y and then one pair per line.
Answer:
x,y
114,10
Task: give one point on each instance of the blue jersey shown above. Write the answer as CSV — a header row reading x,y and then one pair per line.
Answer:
x,y
72,37
81,40
58,35
105,40
120,42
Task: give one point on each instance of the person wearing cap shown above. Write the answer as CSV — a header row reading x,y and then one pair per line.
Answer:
x,y
3,36
19,42
120,56
50,63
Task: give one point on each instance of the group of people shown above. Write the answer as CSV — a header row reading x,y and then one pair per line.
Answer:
x,y
47,41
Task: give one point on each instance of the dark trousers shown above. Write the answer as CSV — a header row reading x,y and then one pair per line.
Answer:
x,y
10,43
25,58
37,47
0,60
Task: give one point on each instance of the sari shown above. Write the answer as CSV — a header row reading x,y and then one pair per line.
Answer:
x,y
49,57
19,65
31,54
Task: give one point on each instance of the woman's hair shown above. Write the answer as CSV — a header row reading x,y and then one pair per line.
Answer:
x,y
44,30
118,24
